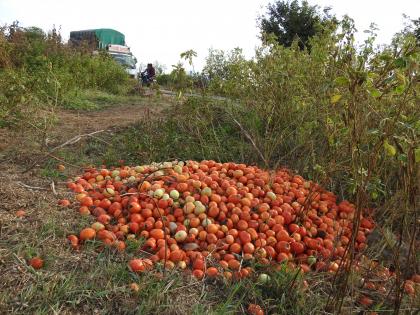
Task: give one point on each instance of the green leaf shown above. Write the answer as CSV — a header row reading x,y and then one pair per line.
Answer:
x,y
372,75
389,149
417,155
417,125
330,121
400,77
400,62
335,98
374,92
399,89
341,81
402,158
385,57
318,168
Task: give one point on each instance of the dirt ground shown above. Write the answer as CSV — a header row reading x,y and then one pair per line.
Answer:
x,y
71,123
16,192
75,123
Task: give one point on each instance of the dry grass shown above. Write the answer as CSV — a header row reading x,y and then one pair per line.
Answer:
x,y
85,282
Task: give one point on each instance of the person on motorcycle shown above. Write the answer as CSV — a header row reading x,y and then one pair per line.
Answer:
x,y
149,74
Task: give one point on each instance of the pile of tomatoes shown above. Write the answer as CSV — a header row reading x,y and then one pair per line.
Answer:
x,y
216,218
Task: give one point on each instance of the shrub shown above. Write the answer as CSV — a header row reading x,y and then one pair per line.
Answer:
x,y
39,72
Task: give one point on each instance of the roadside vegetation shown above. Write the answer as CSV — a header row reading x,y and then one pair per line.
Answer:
x,y
342,115
39,73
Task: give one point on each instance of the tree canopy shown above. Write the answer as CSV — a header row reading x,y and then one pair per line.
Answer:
x,y
290,20
416,28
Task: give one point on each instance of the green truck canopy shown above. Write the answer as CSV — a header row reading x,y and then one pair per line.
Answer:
x,y
101,37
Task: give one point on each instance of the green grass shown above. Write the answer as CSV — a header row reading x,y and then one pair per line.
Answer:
x,y
51,172
95,99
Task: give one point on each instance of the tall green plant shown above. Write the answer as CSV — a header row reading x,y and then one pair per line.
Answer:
x,y
341,114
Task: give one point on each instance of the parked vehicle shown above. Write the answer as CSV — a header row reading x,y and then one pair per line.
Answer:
x,y
124,57
109,40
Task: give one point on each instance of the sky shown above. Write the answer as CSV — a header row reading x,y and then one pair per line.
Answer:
x,y
159,30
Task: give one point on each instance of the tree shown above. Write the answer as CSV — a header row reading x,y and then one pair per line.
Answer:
x,y
189,55
290,20
411,27
417,24
416,29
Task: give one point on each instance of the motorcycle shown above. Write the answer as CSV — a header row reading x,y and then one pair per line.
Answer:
x,y
146,80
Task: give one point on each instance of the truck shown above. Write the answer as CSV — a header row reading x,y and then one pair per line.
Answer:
x,y
109,40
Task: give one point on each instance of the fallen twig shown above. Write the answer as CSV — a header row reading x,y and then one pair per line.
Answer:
x,y
68,142
63,161
31,187
53,188
129,194
168,286
99,139
74,140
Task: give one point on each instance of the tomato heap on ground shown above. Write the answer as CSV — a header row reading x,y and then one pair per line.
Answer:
x,y
216,217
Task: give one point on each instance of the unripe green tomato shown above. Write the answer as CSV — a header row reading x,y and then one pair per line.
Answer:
x,y
174,194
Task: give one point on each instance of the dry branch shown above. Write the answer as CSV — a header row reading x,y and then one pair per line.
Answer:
x,y
74,140
65,162
68,142
53,188
31,187
251,140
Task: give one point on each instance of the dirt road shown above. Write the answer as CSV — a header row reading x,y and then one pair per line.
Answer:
x,y
71,123
17,149
115,116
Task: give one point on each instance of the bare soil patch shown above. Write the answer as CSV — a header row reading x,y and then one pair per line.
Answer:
x,y
79,122
20,147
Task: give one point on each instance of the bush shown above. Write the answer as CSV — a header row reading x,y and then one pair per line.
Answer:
x,y
179,80
39,72
309,109
163,79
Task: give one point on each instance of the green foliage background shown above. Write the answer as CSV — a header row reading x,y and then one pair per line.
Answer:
x,y
39,72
